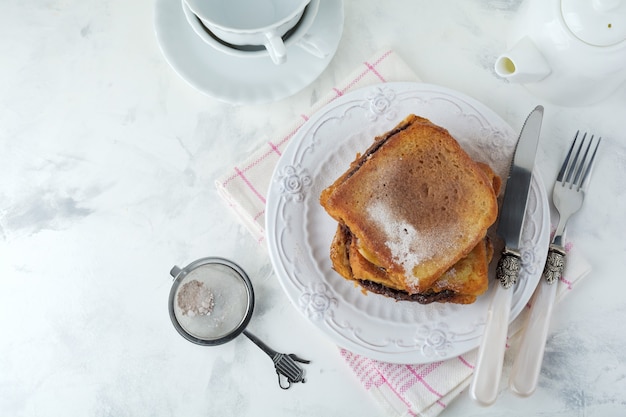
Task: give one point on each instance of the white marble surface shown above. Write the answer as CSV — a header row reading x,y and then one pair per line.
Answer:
x,y
107,163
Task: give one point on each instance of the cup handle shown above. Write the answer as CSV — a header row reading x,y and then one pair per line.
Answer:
x,y
314,45
276,48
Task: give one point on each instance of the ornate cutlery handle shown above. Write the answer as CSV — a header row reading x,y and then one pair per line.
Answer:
x,y
555,263
488,370
508,268
527,364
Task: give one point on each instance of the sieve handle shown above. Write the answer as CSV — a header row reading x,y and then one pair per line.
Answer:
x,y
286,366
265,348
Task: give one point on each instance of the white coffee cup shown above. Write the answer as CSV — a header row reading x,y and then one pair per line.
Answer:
x,y
250,22
297,36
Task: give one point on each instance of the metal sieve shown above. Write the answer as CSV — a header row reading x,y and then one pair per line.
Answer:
x,y
211,302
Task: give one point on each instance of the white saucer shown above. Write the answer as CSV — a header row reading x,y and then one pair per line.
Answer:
x,y
238,80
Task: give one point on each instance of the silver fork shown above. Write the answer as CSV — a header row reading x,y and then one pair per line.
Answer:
x,y
567,196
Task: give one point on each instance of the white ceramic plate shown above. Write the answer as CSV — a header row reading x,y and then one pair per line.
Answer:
x,y
299,231
238,80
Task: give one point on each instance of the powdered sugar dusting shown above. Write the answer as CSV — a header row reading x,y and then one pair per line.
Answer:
x,y
409,247
447,280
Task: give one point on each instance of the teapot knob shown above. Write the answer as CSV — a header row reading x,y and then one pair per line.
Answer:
x,y
596,22
606,5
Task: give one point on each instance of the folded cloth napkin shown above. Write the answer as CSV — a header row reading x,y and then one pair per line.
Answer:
x,y
426,390
401,390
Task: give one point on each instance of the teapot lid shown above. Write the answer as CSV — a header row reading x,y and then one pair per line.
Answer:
x,y
596,22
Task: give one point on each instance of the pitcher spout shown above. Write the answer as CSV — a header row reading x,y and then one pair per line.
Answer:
x,y
523,64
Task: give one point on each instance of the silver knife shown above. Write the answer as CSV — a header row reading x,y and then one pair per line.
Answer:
x,y
488,370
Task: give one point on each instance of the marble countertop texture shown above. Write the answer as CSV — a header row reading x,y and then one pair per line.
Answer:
x,y
107,165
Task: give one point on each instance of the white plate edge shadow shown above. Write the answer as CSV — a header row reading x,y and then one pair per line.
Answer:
x,y
416,333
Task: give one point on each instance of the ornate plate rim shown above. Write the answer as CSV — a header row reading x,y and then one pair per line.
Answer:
x,y
312,288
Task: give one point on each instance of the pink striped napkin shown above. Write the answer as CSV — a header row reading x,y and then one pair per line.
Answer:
x,y
401,390
426,390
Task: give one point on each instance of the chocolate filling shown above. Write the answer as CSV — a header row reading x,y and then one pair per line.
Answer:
x,y
422,298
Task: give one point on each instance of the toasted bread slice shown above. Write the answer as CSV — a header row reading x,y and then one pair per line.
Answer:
x,y
468,276
461,284
415,203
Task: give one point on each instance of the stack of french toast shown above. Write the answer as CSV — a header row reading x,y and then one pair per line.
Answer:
x,y
413,212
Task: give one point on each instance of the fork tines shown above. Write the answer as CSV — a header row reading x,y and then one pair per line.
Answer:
x,y
578,168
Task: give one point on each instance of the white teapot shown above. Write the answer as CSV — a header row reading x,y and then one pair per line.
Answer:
x,y
570,52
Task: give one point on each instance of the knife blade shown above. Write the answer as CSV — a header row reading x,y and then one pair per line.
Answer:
x,y
488,370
